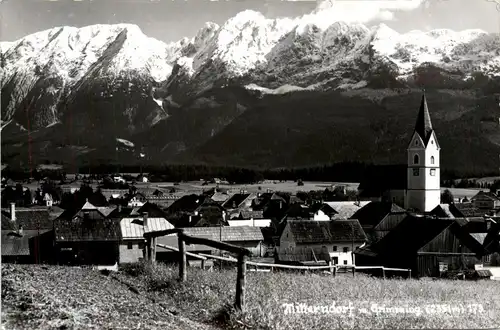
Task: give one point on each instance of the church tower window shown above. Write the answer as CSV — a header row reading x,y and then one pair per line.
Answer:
x,y
415,159
432,159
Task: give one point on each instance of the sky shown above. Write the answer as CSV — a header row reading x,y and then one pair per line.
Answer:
x,y
171,20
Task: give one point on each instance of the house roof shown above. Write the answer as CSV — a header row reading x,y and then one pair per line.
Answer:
x,y
188,203
13,245
317,232
373,212
487,195
443,210
133,228
229,234
106,210
252,214
235,200
424,125
80,229
465,210
29,218
219,197
345,210
479,237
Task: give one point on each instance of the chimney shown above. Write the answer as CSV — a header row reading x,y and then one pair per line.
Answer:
x,y
13,211
145,219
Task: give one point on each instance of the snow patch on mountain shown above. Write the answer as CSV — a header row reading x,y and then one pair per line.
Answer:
x,y
280,90
125,142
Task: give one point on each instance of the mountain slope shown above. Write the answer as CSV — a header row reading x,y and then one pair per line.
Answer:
x,y
254,91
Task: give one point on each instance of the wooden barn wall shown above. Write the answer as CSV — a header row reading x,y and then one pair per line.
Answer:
x,y
428,265
445,242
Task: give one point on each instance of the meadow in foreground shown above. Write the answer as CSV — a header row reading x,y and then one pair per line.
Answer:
x,y
143,296
370,302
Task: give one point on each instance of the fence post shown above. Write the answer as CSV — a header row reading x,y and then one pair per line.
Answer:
x,y
182,258
153,249
383,272
240,282
353,271
148,249
203,264
334,270
409,273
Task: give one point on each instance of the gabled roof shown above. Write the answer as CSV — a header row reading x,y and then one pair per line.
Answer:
x,y
133,227
487,195
235,200
318,232
423,127
79,229
29,218
224,234
443,211
251,214
372,213
345,210
465,210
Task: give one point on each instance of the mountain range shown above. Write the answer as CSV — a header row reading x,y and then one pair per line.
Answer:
x,y
252,92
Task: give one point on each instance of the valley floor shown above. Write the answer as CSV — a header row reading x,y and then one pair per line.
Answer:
x,y
149,297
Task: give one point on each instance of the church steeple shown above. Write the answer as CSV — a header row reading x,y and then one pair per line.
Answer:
x,y
423,190
424,125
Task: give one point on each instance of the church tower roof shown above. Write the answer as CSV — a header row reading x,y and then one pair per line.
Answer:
x,y
424,125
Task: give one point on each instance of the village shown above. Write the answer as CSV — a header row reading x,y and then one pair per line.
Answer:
x,y
407,226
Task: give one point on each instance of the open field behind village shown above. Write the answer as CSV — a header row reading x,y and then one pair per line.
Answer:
x,y
149,297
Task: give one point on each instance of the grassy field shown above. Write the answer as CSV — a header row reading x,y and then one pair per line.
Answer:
x,y
34,297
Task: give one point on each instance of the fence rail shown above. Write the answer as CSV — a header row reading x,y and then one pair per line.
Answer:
x,y
241,261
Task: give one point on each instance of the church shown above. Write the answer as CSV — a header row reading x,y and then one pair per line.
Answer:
x,y
415,185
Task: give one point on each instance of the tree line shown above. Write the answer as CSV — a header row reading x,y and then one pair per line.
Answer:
x,y
339,172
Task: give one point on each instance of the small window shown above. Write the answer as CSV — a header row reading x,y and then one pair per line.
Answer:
x,y
334,248
433,172
345,262
432,141
346,249
415,159
130,246
416,142
432,159
416,172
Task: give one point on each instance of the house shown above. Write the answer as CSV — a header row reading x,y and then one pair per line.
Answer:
x,y
248,237
427,245
136,199
334,241
27,235
378,218
208,214
47,198
87,237
246,215
241,200
338,210
132,235
114,193
486,201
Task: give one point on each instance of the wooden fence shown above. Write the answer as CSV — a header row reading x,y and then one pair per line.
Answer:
x,y
241,260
